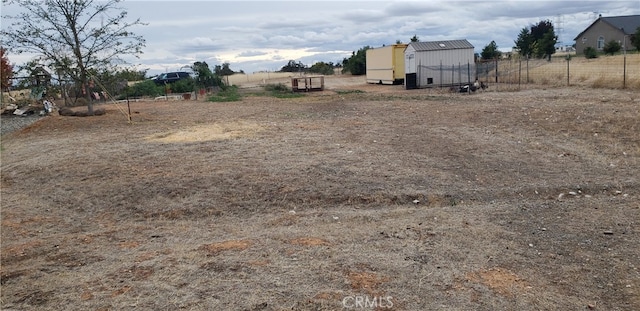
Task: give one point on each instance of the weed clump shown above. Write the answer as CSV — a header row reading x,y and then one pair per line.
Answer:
x,y
227,94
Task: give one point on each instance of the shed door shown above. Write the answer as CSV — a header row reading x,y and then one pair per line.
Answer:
x,y
410,63
410,81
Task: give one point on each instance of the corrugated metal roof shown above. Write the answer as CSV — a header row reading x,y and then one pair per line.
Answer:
x,y
441,45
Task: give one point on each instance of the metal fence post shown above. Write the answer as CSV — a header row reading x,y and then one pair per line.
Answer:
x,y
519,72
568,60
527,69
624,64
496,70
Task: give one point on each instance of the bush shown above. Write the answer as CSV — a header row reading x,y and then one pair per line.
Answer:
x,y
322,68
612,47
183,86
227,94
280,90
280,87
144,88
590,52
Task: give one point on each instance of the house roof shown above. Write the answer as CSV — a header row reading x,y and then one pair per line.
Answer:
x,y
441,45
627,23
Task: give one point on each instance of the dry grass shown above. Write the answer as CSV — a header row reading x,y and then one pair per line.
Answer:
x,y
602,72
491,201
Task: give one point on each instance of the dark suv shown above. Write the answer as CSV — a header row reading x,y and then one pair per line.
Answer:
x,y
170,77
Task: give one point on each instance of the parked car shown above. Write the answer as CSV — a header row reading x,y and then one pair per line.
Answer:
x,y
170,77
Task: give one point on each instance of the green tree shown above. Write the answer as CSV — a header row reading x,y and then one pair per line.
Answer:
x,y
539,40
183,85
144,88
130,74
635,39
547,45
414,39
322,68
357,63
204,77
6,70
115,82
93,34
490,51
293,66
545,39
223,70
612,47
540,29
524,42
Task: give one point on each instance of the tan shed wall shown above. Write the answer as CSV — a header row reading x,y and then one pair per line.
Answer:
x,y
385,64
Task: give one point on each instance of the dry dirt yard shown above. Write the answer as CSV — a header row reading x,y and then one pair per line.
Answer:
x,y
383,199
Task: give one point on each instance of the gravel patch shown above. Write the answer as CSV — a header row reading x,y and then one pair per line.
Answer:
x,y
12,123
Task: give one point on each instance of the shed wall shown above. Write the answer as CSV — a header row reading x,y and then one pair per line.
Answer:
x,y
386,64
442,67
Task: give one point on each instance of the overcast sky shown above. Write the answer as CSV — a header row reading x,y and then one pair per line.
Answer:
x,y
265,35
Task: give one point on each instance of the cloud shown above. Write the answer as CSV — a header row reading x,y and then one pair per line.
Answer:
x,y
264,35
251,54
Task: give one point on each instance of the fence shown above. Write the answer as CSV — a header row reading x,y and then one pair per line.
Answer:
x,y
618,71
444,75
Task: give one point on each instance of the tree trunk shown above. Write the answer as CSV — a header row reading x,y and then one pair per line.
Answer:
x,y
89,100
89,104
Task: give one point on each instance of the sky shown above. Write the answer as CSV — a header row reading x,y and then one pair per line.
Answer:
x,y
257,36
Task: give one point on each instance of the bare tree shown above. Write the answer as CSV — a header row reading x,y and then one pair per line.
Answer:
x,y
92,34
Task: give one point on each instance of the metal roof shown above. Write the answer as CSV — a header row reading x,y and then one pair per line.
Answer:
x,y
629,23
441,45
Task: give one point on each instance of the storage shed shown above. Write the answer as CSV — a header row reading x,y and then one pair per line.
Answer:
x,y
439,64
385,65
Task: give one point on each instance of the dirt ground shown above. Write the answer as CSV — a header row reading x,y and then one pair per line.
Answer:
x,y
375,199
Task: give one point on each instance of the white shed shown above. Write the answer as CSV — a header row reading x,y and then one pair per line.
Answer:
x,y
439,63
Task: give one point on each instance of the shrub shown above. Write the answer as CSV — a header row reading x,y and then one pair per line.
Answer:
x,y
611,47
590,52
227,94
322,68
144,88
280,90
183,86
280,87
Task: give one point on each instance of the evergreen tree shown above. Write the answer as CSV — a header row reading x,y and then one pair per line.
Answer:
x,y
524,42
357,63
490,51
539,40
